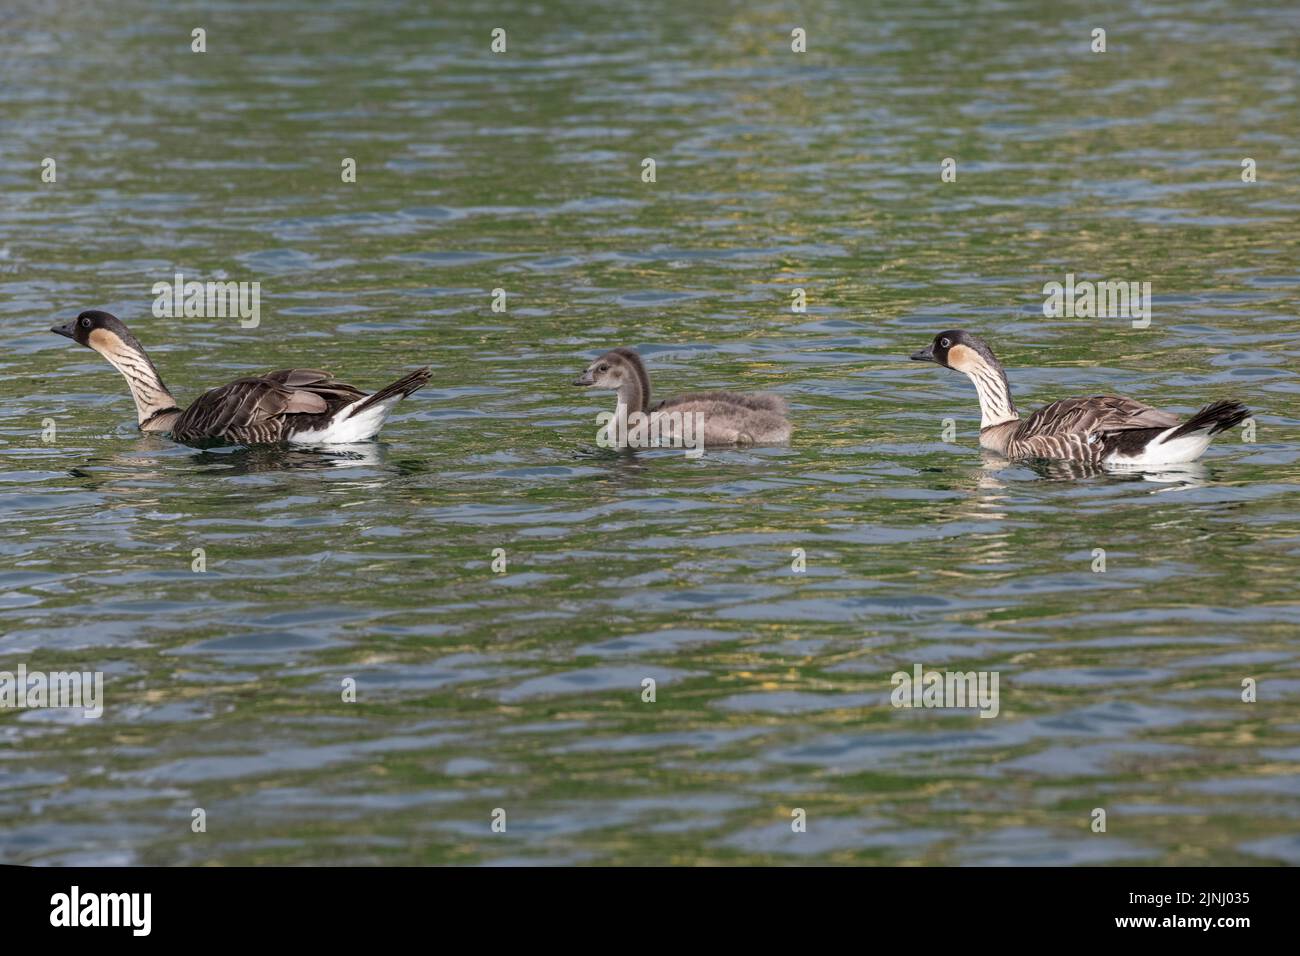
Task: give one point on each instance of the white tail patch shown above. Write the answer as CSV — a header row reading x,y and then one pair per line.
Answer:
x,y
345,428
1160,452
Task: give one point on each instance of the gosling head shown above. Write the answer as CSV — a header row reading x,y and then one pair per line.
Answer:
x,y
622,371
613,370
958,349
105,333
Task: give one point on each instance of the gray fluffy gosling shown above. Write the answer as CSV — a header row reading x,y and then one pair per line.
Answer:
x,y
724,418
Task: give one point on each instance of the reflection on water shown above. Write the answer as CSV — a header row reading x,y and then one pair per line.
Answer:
x,y
238,460
1192,474
499,588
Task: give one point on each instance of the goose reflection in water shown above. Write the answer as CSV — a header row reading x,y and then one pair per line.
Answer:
x,y
1192,474
246,460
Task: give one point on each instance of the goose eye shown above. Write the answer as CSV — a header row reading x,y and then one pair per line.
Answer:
x,y
85,323
944,343
603,368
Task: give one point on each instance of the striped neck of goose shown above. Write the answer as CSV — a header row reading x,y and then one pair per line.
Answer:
x,y
154,404
990,382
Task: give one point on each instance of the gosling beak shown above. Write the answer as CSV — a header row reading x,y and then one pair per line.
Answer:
x,y
584,379
65,329
925,355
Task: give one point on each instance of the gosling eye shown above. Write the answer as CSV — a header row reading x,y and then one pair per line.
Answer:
x,y
944,343
603,368
85,323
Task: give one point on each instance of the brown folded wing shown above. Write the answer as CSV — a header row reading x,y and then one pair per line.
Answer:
x,y
264,408
1077,427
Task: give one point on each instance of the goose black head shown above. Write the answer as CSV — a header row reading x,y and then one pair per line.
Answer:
x,y
957,349
614,370
109,336
98,330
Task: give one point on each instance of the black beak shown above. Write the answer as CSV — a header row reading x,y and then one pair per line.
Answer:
x,y
584,379
65,329
925,355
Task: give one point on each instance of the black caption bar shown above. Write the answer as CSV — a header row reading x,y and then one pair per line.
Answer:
x,y
174,905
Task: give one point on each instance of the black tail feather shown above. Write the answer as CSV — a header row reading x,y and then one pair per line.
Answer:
x,y
1215,417
404,386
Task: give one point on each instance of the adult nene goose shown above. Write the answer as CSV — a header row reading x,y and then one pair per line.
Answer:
x,y
1104,429
299,405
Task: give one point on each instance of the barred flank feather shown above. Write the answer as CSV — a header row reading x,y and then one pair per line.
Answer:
x,y
280,405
